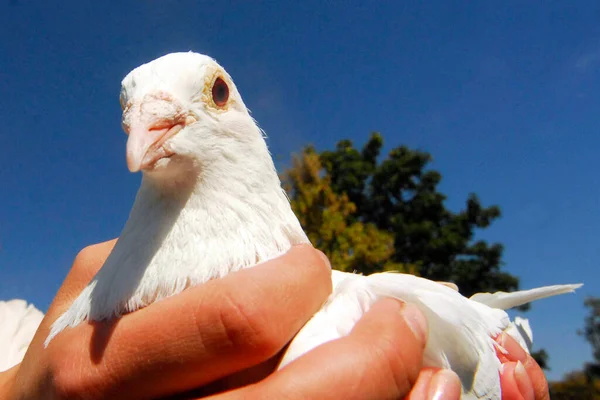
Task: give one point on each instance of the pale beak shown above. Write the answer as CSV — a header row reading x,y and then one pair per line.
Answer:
x,y
145,145
149,124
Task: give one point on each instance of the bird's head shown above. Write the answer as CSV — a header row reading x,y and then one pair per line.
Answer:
x,y
183,109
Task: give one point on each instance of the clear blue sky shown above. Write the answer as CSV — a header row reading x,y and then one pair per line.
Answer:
x,y
504,95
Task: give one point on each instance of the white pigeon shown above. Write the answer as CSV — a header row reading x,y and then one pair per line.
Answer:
x,y
211,203
18,324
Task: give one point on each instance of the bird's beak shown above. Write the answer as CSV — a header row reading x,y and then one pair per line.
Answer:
x,y
149,125
144,146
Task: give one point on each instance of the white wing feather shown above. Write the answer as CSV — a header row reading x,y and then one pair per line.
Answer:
x,y
460,329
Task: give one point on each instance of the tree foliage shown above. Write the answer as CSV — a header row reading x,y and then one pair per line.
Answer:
x,y
575,386
591,333
585,384
372,215
328,219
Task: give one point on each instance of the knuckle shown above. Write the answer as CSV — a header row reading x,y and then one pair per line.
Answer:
x,y
87,252
89,260
83,259
246,328
316,263
94,252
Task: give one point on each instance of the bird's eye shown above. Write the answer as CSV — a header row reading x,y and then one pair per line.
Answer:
x,y
220,92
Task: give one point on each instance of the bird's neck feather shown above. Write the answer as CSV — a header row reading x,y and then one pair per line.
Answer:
x,y
190,231
239,220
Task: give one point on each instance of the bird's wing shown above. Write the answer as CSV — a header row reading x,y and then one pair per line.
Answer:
x,y
458,337
18,324
504,301
335,319
460,331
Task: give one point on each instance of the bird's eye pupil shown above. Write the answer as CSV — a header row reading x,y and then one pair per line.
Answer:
x,y
220,92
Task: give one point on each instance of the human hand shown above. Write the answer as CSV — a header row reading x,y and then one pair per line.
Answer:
x,y
521,377
223,330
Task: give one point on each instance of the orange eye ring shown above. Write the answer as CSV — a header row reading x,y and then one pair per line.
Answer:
x,y
220,92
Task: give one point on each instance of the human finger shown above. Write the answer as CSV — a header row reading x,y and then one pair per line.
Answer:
x,y
380,358
511,351
202,334
515,383
435,383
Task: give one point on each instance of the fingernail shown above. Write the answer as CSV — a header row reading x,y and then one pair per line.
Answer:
x,y
514,352
523,382
444,385
520,369
416,321
324,258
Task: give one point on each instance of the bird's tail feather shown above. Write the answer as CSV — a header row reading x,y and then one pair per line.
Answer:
x,y
504,300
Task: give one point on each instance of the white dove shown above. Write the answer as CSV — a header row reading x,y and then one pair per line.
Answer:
x,y
211,203
18,324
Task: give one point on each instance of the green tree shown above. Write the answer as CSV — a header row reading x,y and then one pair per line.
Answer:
x,y
575,386
584,384
384,214
591,332
328,220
